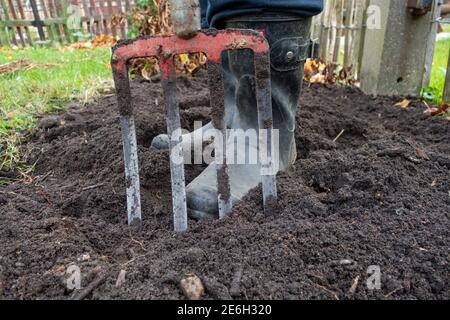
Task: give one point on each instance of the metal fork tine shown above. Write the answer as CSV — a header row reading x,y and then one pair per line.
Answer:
x,y
269,165
130,152
216,87
180,218
131,168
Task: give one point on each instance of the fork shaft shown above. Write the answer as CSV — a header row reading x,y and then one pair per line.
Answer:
x,y
179,205
131,168
217,92
130,152
267,154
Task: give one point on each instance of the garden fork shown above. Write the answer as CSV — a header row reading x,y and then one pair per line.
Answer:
x,y
190,39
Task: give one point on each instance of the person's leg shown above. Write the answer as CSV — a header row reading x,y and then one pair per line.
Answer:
x,y
214,13
219,11
288,36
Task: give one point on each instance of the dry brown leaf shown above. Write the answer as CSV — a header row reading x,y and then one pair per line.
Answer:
x,y
103,41
317,71
403,104
431,110
439,110
318,78
79,45
310,68
321,67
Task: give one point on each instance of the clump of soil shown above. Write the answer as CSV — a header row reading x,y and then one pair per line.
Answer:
x,y
377,196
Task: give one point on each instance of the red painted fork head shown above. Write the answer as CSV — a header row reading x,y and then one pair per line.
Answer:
x,y
210,42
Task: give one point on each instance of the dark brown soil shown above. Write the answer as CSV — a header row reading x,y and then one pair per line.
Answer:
x,y
379,195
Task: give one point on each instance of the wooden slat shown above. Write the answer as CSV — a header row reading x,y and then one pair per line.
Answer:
x,y
104,23
53,14
61,5
120,10
350,5
327,30
51,32
93,10
87,14
332,40
22,16
37,20
14,17
4,34
19,23
3,41
446,95
60,26
339,22
431,43
361,7
128,9
110,14
10,30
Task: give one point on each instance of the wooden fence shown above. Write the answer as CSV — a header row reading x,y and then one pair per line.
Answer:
x,y
340,31
28,22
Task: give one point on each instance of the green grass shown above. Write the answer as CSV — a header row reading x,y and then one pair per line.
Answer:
x,y
58,76
438,71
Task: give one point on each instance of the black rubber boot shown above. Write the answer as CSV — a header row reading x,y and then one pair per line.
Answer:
x,y
288,37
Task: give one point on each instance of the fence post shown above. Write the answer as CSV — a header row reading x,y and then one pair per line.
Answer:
x,y
339,29
394,53
431,42
358,46
349,34
38,23
325,30
446,95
